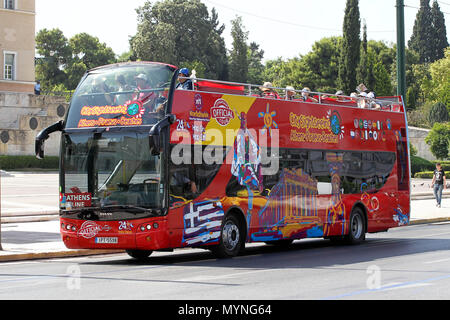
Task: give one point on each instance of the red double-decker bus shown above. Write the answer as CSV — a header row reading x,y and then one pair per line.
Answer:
x,y
146,167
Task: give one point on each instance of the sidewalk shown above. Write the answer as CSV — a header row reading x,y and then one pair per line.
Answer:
x,y
39,240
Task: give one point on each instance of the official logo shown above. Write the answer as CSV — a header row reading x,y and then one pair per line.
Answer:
x,y
89,229
222,112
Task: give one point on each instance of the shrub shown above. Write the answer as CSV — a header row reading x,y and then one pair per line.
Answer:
x,y
28,162
429,175
419,164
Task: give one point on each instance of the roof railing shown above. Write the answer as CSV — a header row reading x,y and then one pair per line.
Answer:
x,y
270,92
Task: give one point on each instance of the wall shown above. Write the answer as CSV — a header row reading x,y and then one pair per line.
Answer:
x,y
417,138
17,34
23,116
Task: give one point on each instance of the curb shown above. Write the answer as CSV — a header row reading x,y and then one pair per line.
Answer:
x,y
429,220
56,254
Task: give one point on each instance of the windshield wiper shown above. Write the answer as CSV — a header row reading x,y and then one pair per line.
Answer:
x,y
127,207
111,207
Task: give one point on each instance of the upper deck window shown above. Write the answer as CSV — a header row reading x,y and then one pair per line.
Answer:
x,y
121,95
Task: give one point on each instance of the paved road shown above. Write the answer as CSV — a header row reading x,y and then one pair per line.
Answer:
x,y
406,263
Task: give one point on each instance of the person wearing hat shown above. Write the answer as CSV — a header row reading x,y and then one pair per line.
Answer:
x,y
184,82
290,93
305,95
142,92
268,92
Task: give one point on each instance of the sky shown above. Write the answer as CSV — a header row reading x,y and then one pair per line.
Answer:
x,y
283,28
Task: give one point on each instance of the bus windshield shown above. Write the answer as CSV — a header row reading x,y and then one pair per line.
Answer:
x,y
121,95
110,170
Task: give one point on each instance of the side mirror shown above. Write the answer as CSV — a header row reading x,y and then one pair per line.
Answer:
x,y
154,135
43,135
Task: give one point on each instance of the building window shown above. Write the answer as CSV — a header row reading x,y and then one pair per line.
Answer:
x,y
9,66
10,4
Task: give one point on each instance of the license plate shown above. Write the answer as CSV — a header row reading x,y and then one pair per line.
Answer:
x,y
107,240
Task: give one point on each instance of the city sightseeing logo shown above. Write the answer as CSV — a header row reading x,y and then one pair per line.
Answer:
x,y
222,113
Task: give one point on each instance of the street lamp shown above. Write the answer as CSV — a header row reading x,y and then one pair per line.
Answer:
x,y
401,70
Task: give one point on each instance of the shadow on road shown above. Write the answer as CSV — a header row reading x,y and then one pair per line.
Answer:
x,y
315,253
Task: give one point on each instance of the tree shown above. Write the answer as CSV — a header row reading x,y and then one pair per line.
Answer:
x,y
440,32
317,70
238,54
423,36
87,53
439,88
54,51
255,65
382,86
180,31
439,140
362,68
350,50
438,113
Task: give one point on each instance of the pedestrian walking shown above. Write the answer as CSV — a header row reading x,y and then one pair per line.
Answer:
x,y
439,183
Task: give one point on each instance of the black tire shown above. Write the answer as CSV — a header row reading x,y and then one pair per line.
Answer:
x,y
232,239
357,227
139,254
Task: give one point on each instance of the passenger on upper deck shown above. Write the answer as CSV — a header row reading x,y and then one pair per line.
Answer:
x,y
142,92
306,95
372,102
101,93
184,83
268,92
122,86
290,93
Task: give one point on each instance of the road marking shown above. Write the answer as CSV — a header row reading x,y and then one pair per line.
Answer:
x,y
401,285
437,261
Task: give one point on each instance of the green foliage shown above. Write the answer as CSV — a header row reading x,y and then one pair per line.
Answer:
x,y
439,140
440,42
238,54
63,62
28,162
179,31
255,56
350,49
438,113
429,175
419,164
422,33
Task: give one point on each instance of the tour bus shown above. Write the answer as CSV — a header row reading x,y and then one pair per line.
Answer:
x,y
146,166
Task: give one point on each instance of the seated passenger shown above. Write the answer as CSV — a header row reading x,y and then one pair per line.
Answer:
x,y
340,95
268,92
122,86
141,92
100,93
184,82
290,93
362,102
306,95
372,102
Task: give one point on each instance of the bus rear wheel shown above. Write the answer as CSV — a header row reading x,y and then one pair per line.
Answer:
x,y
231,238
357,232
139,254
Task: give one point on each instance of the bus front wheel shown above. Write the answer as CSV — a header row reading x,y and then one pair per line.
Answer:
x,y
139,254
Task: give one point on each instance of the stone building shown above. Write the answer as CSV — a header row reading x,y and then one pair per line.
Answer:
x,y
17,45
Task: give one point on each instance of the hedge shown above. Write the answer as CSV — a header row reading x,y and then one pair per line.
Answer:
x,y
419,165
28,162
429,175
